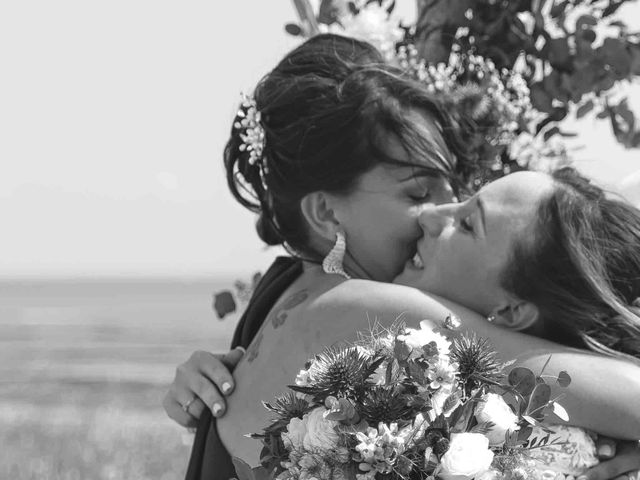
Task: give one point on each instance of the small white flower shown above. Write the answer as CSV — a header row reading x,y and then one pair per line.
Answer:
x,y
418,338
442,373
374,25
492,408
303,379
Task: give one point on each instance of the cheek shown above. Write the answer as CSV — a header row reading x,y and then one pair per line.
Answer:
x,y
384,236
453,265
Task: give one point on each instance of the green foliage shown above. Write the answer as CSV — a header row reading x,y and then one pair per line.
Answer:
x,y
572,53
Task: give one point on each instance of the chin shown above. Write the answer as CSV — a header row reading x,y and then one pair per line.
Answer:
x,y
410,276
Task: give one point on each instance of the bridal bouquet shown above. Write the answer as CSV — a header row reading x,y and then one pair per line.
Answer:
x,y
406,403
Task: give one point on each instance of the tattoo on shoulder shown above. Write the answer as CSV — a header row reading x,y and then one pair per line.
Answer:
x,y
279,316
254,348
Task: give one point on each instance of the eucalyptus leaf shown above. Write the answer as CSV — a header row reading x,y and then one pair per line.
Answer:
x,y
243,469
564,380
560,411
538,400
523,380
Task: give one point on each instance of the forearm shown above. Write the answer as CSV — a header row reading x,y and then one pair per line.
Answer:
x,y
604,394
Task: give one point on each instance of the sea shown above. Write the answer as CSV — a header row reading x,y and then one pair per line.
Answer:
x,y
107,329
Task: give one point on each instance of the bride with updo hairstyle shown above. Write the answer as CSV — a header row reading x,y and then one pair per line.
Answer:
x,y
326,111
338,153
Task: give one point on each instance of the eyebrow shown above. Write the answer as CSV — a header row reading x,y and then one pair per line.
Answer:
x,y
480,204
423,172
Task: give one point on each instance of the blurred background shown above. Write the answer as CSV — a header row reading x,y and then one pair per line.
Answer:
x,y
116,224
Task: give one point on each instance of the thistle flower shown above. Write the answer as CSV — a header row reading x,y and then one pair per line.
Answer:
x,y
340,373
384,404
477,362
288,406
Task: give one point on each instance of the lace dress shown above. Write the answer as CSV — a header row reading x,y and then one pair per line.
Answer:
x,y
567,452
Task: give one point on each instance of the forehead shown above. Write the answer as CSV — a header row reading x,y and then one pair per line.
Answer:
x,y
512,201
426,128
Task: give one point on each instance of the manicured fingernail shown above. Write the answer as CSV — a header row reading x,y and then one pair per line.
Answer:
x,y
582,477
242,349
226,387
216,409
605,451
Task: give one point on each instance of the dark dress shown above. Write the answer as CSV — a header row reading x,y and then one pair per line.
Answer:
x,y
209,459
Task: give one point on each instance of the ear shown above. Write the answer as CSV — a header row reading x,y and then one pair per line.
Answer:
x,y
316,210
517,315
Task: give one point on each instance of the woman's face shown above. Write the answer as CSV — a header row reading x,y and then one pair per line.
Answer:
x,y
380,217
466,246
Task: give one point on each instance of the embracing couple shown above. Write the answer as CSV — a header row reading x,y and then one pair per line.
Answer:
x,y
358,172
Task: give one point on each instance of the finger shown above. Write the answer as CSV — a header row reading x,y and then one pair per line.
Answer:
x,y
203,387
218,371
176,413
623,477
606,447
611,469
195,408
232,358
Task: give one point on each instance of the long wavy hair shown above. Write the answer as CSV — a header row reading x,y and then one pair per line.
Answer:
x,y
580,265
326,110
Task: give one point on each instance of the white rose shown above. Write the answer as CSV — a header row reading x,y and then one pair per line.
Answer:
x,y
493,408
295,433
320,432
468,457
490,475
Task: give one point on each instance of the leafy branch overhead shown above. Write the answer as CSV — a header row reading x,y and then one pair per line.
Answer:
x,y
575,55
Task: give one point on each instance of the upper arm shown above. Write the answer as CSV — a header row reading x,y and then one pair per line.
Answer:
x,y
604,394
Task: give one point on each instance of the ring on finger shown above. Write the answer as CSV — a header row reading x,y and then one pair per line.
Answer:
x,y
186,406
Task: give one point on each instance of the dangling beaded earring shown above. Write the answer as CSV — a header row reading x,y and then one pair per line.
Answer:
x,y
332,263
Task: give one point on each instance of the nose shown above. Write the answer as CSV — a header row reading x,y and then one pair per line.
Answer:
x,y
434,218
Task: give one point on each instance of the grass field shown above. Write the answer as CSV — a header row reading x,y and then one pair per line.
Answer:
x,y
88,431
83,370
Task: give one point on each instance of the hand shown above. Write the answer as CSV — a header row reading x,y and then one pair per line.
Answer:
x,y
623,466
202,381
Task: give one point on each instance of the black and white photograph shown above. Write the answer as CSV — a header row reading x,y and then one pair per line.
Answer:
x,y
320,240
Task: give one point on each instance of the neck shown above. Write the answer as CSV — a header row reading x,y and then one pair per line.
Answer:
x,y
354,269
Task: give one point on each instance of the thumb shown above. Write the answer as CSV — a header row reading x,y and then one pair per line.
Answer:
x,y
232,358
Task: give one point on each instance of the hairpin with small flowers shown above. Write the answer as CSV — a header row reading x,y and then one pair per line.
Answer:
x,y
251,131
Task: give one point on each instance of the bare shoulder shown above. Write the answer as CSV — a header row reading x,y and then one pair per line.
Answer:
x,y
354,305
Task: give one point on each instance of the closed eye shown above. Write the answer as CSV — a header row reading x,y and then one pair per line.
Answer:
x,y
421,197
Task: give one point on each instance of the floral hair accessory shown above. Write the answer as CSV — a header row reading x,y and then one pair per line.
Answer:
x,y
253,137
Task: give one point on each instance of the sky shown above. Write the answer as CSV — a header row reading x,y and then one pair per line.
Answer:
x,y
113,117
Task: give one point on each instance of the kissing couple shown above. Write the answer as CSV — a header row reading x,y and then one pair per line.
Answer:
x,y
359,173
